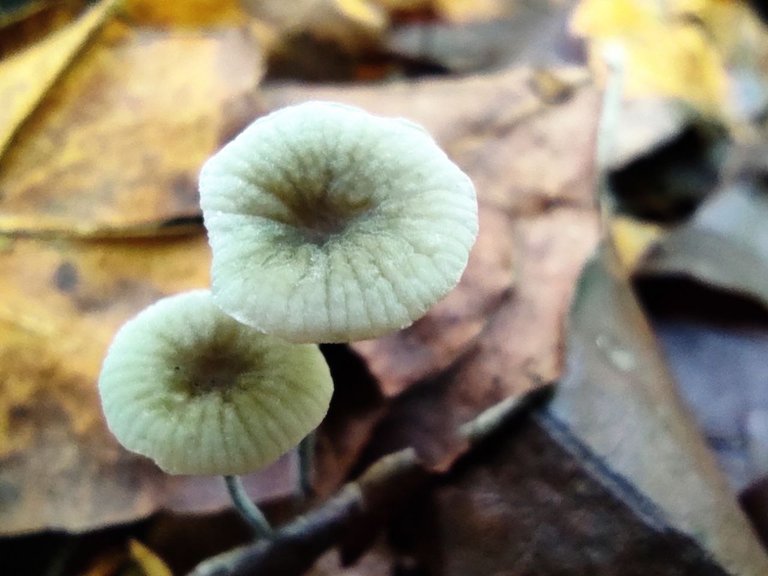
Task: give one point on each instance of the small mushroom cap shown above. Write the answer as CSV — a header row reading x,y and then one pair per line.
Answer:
x,y
200,393
329,224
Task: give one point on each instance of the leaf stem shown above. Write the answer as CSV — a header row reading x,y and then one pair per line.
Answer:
x,y
247,509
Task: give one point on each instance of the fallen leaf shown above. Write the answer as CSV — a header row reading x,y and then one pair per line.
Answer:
x,y
724,244
471,10
21,90
122,136
60,304
186,13
633,239
705,52
352,25
523,504
147,561
715,344
376,562
617,397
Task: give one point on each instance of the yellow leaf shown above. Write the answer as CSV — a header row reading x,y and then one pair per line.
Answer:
x,y
149,562
461,11
60,304
611,18
709,53
404,5
679,62
632,239
120,139
188,13
26,77
365,14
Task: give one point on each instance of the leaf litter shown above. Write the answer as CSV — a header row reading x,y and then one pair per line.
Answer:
x,y
98,234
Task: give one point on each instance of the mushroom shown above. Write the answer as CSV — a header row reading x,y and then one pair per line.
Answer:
x,y
329,224
201,393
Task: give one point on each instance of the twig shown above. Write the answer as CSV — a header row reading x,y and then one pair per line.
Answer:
x,y
389,481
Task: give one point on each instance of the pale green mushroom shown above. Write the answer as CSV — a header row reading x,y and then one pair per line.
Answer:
x,y
201,393
329,224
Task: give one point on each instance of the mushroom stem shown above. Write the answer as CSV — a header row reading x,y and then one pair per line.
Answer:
x,y
306,459
247,509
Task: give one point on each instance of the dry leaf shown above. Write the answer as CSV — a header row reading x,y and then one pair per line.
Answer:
x,y
149,563
121,138
187,13
352,25
618,399
470,10
26,77
526,505
724,244
633,239
705,52
112,157
60,304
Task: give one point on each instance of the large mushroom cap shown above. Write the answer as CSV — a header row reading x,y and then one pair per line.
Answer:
x,y
328,224
200,393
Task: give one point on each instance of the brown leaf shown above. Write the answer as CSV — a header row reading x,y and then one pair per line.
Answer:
x,y
60,304
618,398
188,13
121,138
354,26
523,504
111,157
376,562
21,90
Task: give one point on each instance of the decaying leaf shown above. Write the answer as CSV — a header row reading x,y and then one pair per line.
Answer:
x,y
149,563
724,244
352,25
79,291
186,13
61,304
618,398
109,161
716,345
524,33
523,504
121,138
21,91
